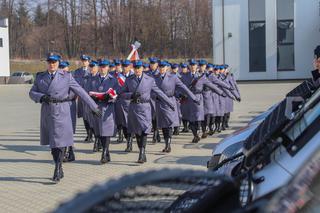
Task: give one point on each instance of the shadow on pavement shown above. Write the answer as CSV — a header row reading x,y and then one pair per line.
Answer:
x,y
28,180
190,160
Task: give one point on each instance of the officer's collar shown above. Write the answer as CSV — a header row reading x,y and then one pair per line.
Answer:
x,y
54,73
104,76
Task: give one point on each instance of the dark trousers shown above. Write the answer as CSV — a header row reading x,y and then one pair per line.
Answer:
x,y
206,122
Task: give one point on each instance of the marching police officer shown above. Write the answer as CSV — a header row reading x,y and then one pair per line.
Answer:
x,y
230,80
138,89
51,89
196,83
93,120
81,76
175,71
122,105
152,72
69,155
107,128
183,99
166,119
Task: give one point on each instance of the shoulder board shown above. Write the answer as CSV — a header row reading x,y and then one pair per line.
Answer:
x,y
130,76
39,73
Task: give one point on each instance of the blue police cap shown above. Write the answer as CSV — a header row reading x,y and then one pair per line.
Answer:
x,y
64,64
183,65
145,65
53,57
202,62
193,62
210,65
137,64
93,64
163,63
126,62
85,58
226,66
220,67
112,65
153,60
174,66
116,62
104,62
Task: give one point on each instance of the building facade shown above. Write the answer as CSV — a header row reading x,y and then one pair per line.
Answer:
x,y
4,48
266,39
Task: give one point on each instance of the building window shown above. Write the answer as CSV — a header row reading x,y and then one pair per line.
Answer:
x,y
285,32
257,35
1,42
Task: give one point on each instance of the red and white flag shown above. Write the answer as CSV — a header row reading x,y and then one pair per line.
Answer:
x,y
101,95
134,55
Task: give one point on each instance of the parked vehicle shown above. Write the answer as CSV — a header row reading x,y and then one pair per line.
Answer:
x,y
21,77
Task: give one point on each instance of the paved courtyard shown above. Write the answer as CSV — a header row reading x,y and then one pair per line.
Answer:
x,y
26,168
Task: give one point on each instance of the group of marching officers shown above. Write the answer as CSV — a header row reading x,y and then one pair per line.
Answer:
x,y
149,97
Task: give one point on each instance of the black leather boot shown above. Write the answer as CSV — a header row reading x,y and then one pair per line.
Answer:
x,y
158,136
71,156
223,122
166,142
120,135
185,126
195,133
57,154
95,145
154,136
105,156
142,154
204,129
65,155
142,151
176,130
169,146
218,126
90,135
227,120
86,126
129,144
211,130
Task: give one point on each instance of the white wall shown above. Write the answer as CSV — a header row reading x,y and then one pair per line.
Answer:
x,y
4,52
236,54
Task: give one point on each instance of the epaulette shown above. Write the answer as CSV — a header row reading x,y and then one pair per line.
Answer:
x,y
130,76
38,73
315,74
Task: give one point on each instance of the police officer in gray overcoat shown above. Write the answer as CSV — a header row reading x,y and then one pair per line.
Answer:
x,y
51,89
175,71
196,83
69,155
138,89
154,70
183,99
93,120
122,105
107,127
81,75
166,119
229,102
